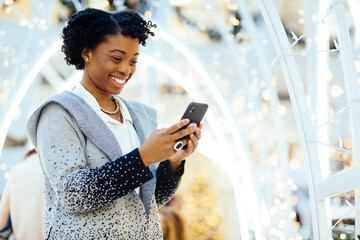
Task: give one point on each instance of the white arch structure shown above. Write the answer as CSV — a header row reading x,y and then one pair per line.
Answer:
x,y
320,186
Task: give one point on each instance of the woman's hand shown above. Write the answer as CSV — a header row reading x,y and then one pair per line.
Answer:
x,y
159,146
192,144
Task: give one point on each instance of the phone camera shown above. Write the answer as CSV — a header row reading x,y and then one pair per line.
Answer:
x,y
192,109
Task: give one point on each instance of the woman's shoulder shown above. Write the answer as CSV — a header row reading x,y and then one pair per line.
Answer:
x,y
54,110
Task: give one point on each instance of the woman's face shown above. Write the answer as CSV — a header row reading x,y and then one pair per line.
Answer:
x,y
112,63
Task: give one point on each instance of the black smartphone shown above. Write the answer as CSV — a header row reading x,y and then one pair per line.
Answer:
x,y
195,112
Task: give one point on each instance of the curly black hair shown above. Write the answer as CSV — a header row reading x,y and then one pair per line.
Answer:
x,y
89,27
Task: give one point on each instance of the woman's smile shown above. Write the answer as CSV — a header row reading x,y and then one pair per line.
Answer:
x,y
121,81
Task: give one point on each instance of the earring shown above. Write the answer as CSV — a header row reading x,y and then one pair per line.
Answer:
x,y
87,59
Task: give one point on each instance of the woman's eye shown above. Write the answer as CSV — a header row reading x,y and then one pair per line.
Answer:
x,y
133,62
117,59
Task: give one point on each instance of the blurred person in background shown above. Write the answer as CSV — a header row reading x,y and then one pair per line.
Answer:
x,y
106,168
22,202
173,224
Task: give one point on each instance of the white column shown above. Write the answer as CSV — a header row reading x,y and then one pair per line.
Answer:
x,y
352,92
302,117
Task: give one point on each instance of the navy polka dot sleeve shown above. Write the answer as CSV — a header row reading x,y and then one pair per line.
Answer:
x,y
167,182
113,180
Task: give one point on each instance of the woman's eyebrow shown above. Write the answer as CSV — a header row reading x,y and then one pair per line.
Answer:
x,y
121,51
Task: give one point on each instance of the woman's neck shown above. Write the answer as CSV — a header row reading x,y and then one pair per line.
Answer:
x,y
104,99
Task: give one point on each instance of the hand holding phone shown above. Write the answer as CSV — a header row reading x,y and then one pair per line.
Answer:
x,y
195,113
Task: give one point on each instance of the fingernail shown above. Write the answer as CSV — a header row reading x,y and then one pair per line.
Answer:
x,y
194,125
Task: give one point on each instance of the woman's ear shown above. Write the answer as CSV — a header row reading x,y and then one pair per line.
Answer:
x,y
85,55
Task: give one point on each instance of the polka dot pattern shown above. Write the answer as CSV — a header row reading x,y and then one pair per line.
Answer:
x,y
90,197
167,182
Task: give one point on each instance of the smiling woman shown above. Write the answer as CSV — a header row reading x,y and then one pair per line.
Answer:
x,y
106,167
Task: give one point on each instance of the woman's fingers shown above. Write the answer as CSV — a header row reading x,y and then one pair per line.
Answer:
x,y
177,126
198,132
182,133
190,147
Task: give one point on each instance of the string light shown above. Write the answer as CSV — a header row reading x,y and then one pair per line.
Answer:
x,y
147,14
3,166
8,2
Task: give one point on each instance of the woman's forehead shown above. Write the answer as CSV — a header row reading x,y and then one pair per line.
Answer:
x,y
120,42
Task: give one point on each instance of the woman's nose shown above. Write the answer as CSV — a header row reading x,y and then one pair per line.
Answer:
x,y
125,69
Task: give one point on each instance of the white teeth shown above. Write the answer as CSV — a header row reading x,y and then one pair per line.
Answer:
x,y
120,81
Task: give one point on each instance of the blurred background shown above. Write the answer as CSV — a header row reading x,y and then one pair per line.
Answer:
x,y
250,175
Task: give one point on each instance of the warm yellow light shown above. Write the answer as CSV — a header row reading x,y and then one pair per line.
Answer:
x,y
147,14
294,163
3,166
7,175
330,76
342,236
294,187
23,22
6,63
212,220
234,21
238,103
234,7
266,95
301,20
105,3
293,215
276,201
308,100
8,2
301,12
282,110
336,91
348,143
